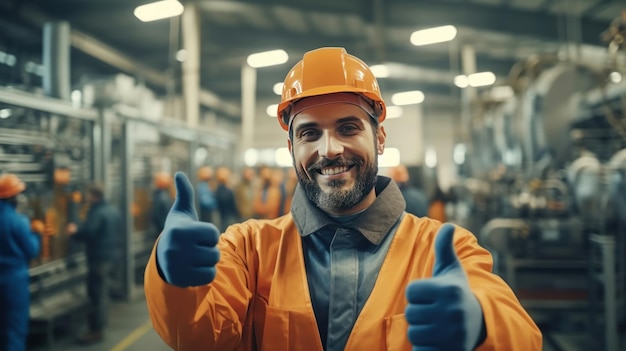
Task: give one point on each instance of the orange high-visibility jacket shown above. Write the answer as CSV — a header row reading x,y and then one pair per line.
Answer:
x,y
260,298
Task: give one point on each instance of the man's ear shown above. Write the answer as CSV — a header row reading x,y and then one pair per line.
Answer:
x,y
381,135
289,145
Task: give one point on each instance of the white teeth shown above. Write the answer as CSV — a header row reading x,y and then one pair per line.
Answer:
x,y
335,170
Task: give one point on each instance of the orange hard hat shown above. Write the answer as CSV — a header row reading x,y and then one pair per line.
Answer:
x,y
327,71
162,180
205,173
10,186
222,175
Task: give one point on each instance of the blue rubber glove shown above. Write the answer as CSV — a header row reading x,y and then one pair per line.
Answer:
x,y
186,253
443,313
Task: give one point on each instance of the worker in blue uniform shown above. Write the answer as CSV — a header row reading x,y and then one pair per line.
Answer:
x,y
99,232
18,245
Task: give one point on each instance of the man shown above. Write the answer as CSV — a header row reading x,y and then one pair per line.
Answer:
x,y
161,200
18,245
244,194
226,203
348,268
416,201
99,233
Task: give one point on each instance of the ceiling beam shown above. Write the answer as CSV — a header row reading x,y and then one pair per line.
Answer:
x,y
424,13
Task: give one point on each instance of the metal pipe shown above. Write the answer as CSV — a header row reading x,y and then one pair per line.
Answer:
x,y
56,60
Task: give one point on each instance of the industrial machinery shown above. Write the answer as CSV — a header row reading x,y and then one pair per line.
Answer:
x,y
546,183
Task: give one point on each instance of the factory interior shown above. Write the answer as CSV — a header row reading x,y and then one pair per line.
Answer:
x,y
515,109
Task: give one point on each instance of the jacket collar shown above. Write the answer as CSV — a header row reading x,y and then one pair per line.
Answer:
x,y
374,223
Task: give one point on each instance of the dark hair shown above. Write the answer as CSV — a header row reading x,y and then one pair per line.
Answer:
x,y
96,190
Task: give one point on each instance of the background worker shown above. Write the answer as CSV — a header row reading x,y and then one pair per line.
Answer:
x,y
161,201
347,268
18,245
99,234
416,200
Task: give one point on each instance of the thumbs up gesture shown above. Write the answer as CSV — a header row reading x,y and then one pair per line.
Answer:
x,y
443,313
186,252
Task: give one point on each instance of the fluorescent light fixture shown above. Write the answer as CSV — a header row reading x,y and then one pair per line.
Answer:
x,y
267,58
181,55
158,10
475,79
389,158
394,112
283,157
459,154
251,157
271,110
380,71
461,81
5,113
76,97
408,98
278,88
481,79
431,158
433,35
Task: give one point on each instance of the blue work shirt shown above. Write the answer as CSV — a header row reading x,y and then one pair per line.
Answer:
x,y
343,256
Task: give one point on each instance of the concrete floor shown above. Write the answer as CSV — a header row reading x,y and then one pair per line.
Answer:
x,y
130,330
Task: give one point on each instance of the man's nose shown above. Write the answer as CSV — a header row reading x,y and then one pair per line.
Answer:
x,y
330,146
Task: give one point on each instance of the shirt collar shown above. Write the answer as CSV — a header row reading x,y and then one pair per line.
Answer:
x,y
374,223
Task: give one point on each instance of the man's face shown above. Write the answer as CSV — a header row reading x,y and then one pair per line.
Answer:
x,y
334,150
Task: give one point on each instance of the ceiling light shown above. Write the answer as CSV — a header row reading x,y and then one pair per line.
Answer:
x,y
433,35
251,157
278,88
481,79
158,10
615,77
389,158
380,71
394,112
181,55
461,81
282,157
475,79
408,98
431,158
5,113
267,58
272,110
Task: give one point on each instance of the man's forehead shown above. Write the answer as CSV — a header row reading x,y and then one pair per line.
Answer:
x,y
332,105
332,113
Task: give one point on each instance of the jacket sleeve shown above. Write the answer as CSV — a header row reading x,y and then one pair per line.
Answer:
x,y
209,317
508,325
28,241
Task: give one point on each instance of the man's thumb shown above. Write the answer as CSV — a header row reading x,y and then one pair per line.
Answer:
x,y
445,255
184,196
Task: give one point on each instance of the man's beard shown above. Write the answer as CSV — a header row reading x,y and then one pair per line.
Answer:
x,y
339,199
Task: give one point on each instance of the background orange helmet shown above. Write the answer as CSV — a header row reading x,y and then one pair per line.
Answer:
x,y
162,180
10,186
205,173
327,71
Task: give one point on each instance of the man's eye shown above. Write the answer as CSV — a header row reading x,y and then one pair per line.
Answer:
x,y
348,128
308,133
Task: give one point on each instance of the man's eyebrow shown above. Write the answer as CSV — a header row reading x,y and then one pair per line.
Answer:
x,y
349,119
339,121
306,125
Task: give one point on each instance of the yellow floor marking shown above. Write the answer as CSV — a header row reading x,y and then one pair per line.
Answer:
x,y
132,337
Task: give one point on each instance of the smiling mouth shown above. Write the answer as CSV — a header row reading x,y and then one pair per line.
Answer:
x,y
329,171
